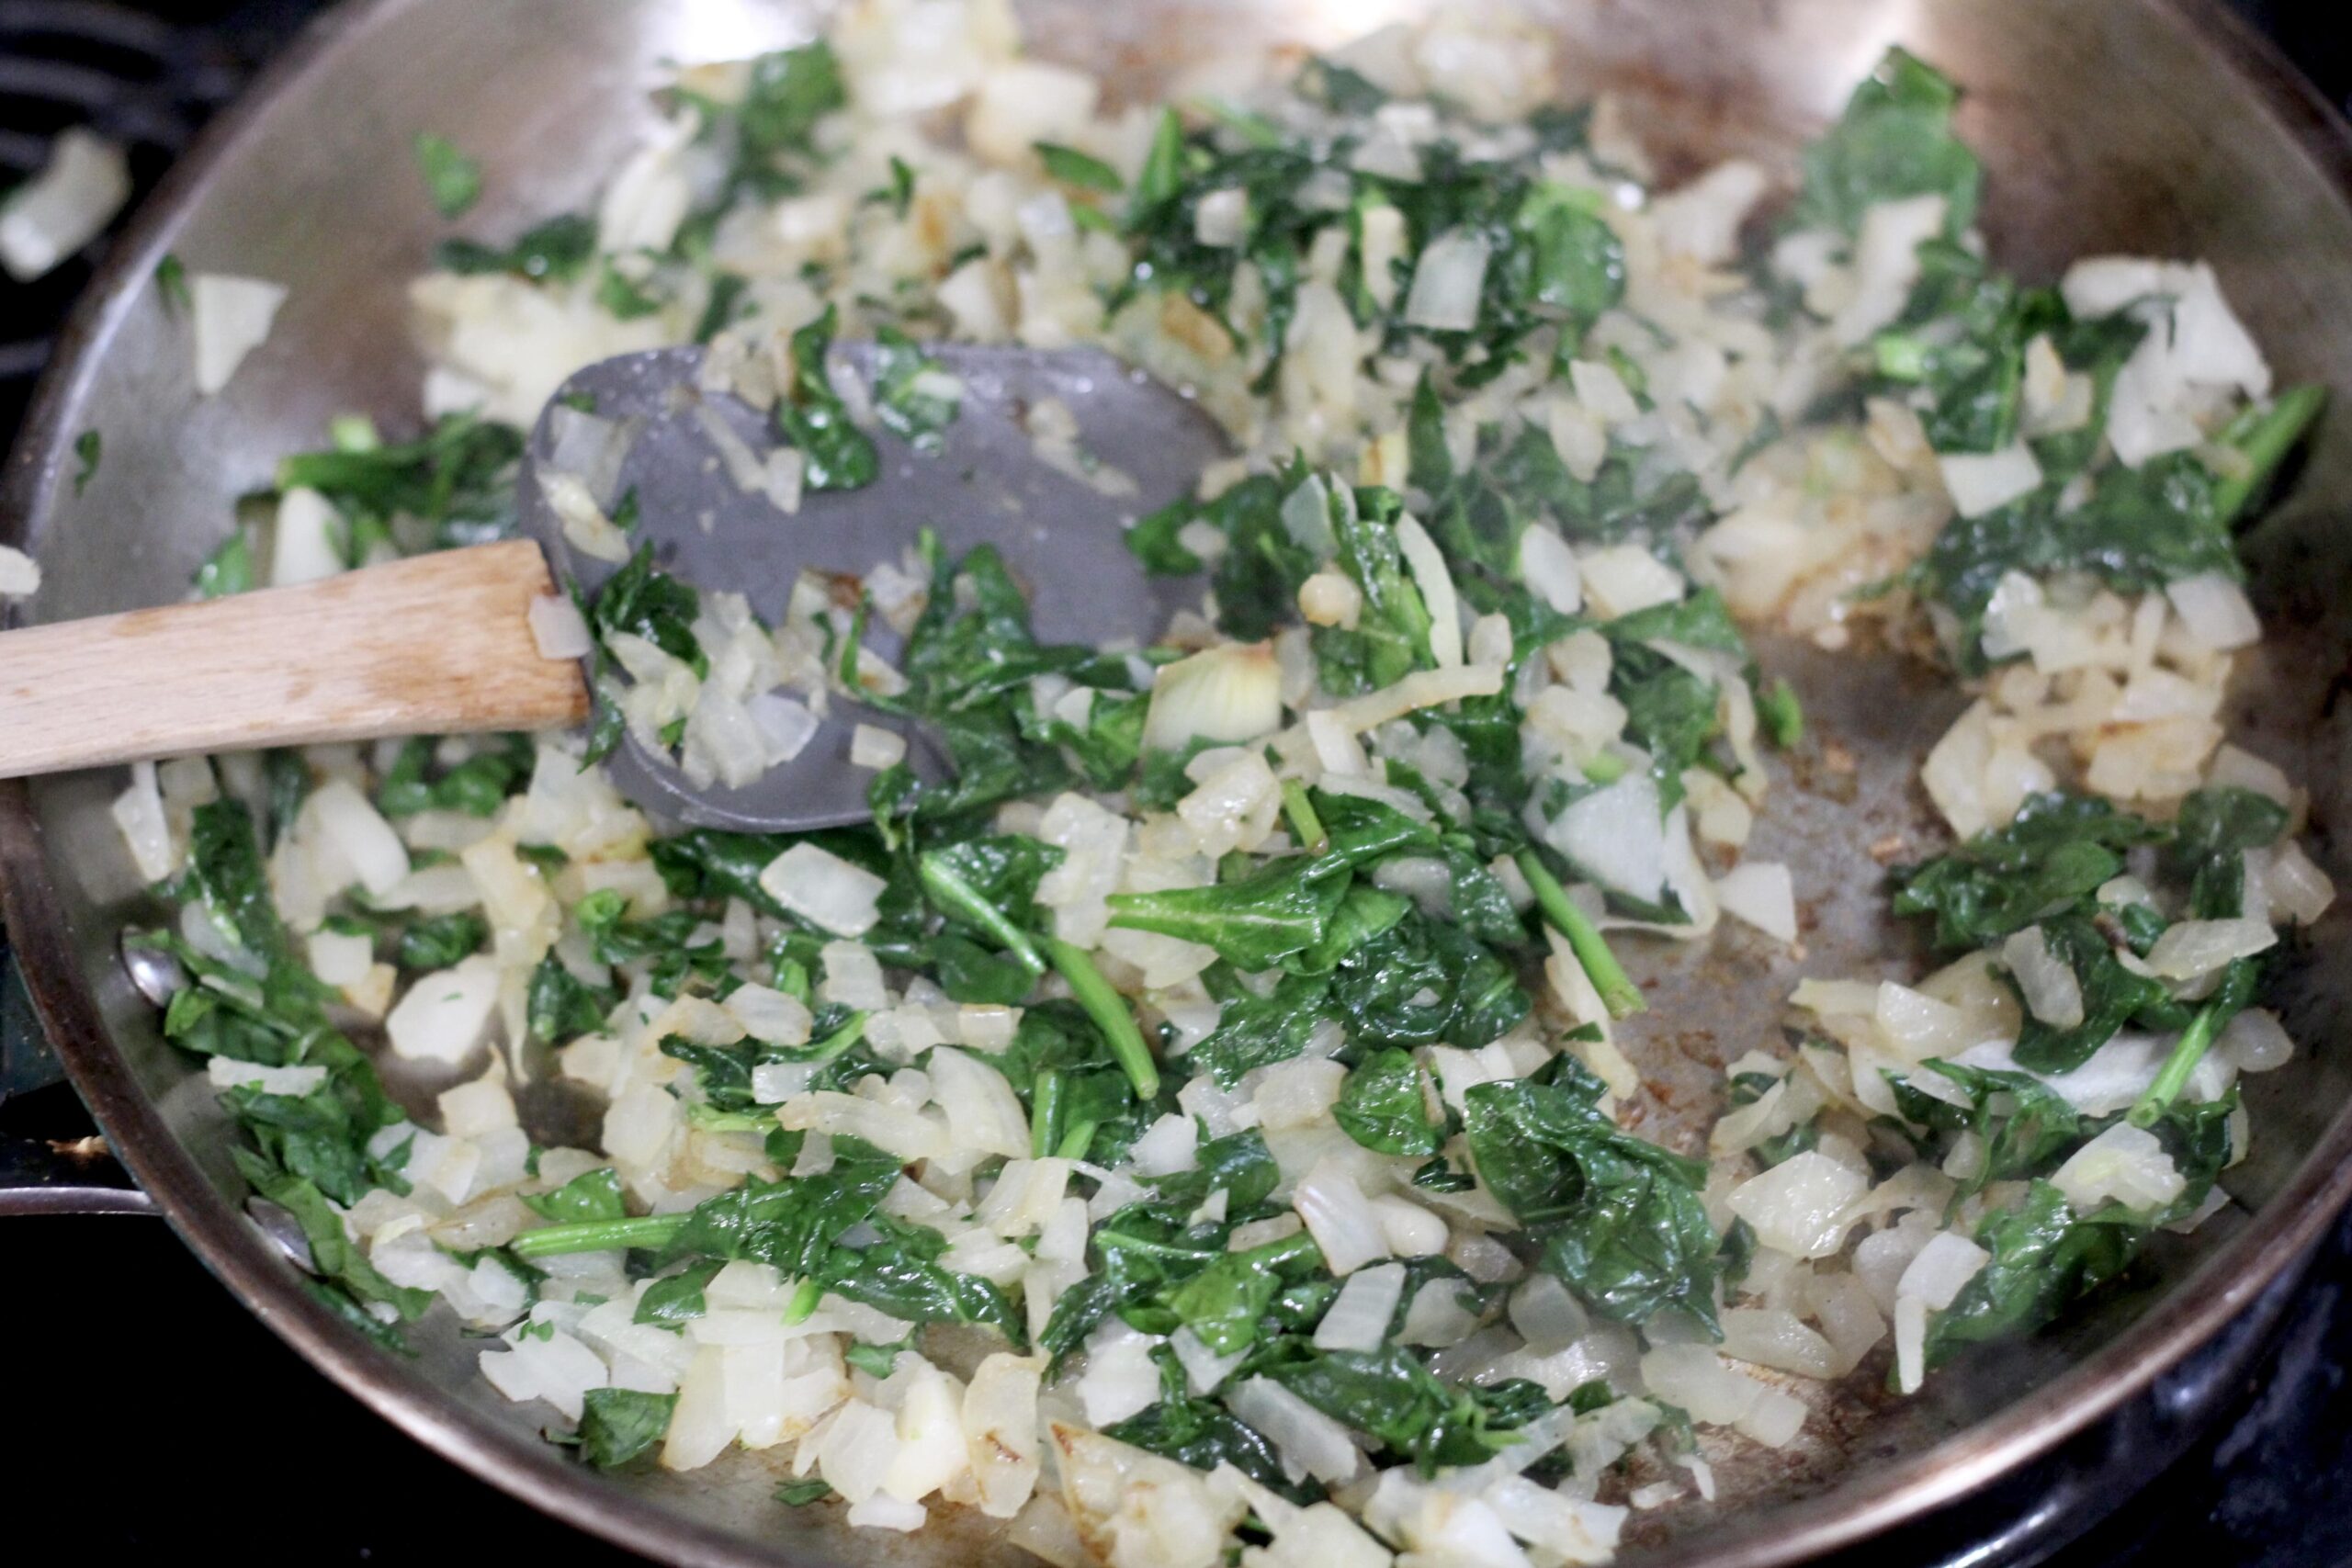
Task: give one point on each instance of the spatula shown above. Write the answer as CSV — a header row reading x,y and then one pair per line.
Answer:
x,y
441,644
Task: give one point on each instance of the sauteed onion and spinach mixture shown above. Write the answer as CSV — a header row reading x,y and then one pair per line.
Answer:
x,y
1209,1118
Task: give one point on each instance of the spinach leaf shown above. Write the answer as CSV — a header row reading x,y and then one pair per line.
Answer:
x,y
795,1223
1253,923
1256,1032
1384,1106
441,942
2208,839
646,602
562,1006
2060,849
593,1195
813,418
2025,1127
916,411
1895,140
1618,1218
620,1425
2043,1256
1203,1434
1422,981
554,250
1391,1395
676,1299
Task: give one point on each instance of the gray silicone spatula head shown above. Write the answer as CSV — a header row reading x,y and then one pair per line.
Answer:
x,y
698,504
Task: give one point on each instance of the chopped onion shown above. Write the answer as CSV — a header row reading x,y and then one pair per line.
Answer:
x,y
1931,1282
1120,1378
1307,1441
1000,1420
1167,1146
1549,568
1616,836
2215,611
349,821
2194,949
1436,583
443,1015
873,747
1760,893
824,889
2124,1164
1769,1337
1886,264
2255,1040
19,573
1231,693
2053,993
1799,1206
585,527
1447,282
1547,1316
52,216
1622,579
1694,1377
1357,1317
231,317
1982,483
559,628
1343,1223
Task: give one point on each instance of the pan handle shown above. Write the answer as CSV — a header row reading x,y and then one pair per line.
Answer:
x,y
41,1175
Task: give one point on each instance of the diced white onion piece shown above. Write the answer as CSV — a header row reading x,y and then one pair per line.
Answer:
x,y
1167,1146
1447,282
1436,583
585,527
1931,1283
2052,992
891,1128
824,889
52,216
139,813
304,545
1343,1222
1228,693
2215,611
873,747
1760,893
1549,568
2255,1040
2124,1164
1987,481
1799,1206
983,1113
1622,579
999,1419
1547,1316
1886,264
19,573
1357,1317
1120,1378
2194,949
1694,1377
1221,219
1616,836
1307,1441
228,1072
350,820
1772,1337
443,1015
339,959
231,317
559,628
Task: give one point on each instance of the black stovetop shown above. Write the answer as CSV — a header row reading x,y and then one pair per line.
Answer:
x,y
181,1420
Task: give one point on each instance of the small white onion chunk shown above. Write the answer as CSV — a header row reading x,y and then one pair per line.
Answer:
x,y
824,889
1799,1206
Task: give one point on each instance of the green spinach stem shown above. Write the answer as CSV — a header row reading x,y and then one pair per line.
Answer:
x,y
1109,1011
1618,992
652,1231
945,888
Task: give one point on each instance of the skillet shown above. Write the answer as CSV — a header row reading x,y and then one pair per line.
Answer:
x,y
2145,125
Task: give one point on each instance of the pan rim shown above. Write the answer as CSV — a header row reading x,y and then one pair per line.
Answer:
x,y
2189,1315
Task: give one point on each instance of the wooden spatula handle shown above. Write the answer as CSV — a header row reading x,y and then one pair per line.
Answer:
x,y
439,644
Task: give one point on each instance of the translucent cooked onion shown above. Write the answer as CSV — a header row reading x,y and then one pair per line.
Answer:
x,y
1358,1316
2194,949
1307,1441
1447,282
2053,993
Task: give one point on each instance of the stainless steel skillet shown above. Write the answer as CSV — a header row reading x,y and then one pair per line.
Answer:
x,y
2141,125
